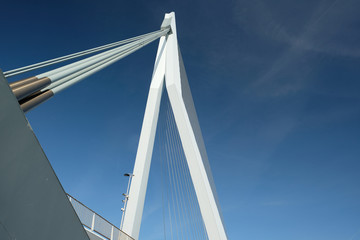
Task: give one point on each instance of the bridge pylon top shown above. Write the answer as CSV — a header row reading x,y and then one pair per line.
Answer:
x,y
169,70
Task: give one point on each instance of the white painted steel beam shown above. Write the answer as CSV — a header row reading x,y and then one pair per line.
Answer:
x,y
191,138
135,205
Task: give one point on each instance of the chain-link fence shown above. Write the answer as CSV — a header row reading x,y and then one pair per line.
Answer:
x,y
96,223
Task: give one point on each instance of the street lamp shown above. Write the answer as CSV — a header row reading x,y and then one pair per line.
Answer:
x,y
126,198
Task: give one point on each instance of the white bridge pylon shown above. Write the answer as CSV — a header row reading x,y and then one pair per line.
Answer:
x,y
169,68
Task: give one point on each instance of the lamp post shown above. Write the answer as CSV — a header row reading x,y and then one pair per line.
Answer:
x,y
126,198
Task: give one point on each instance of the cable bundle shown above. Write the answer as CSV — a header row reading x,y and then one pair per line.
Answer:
x,y
181,211
33,91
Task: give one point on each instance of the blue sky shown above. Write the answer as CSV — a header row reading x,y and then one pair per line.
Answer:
x,y
277,91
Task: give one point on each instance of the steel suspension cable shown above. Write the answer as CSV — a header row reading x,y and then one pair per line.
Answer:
x,y
191,197
31,101
191,193
58,73
31,67
188,223
160,130
25,87
165,162
171,198
98,68
174,175
174,179
174,230
182,161
182,186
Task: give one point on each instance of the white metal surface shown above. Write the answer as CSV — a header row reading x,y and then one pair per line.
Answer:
x,y
191,138
138,187
190,135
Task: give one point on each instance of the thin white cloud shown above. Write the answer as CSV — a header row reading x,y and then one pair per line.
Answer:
x,y
319,33
356,234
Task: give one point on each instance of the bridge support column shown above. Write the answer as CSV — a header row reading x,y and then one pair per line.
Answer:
x,y
170,64
135,205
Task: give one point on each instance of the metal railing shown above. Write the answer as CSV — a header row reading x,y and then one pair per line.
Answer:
x,y
93,222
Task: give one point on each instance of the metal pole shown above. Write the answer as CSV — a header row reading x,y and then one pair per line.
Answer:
x,y
130,175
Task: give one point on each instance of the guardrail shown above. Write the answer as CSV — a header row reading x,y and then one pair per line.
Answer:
x,y
96,223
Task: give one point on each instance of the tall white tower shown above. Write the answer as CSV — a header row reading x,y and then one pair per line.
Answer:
x,y
169,69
